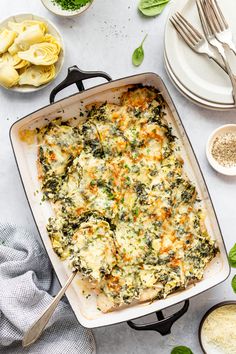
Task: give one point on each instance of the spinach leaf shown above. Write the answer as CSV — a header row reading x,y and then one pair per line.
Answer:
x,y
138,54
181,350
233,283
232,256
152,7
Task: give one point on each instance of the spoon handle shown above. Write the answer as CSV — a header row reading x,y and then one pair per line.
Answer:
x,y
35,331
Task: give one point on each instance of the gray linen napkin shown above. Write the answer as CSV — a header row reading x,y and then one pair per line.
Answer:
x,y
25,281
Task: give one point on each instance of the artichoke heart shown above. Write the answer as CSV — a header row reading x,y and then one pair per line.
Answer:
x,y
27,54
8,75
24,25
14,60
40,54
6,39
50,39
32,35
37,75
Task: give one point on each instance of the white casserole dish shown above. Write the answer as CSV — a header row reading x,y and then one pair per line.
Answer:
x,y
26,155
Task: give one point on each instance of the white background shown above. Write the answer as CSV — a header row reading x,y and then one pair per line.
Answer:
x,y
103,38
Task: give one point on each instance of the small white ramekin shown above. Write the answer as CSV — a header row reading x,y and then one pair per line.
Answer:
x,y
57,10
228,128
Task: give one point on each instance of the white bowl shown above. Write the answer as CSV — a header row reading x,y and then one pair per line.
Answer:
x,y
52,29
228,128
57,10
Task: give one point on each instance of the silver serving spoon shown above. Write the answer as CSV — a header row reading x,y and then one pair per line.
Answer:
x,y
35,331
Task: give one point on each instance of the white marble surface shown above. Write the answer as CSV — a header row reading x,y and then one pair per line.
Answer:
x,y
103,38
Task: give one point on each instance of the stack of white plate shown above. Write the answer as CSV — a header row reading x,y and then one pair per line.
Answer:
x,y
196,76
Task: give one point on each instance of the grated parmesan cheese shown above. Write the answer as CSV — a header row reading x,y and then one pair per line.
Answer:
x,y
219,331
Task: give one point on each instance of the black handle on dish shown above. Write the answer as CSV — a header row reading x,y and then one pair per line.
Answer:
x,y
163,326
76,76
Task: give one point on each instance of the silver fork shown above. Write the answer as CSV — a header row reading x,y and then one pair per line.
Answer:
x,y
209,22
193,38
222,30
213,41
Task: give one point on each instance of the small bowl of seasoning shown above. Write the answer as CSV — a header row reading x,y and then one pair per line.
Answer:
x,y
217,333
221,149
67,8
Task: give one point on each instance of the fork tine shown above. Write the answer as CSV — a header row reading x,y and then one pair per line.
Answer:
x,y
212,22
179,29
220,15
217,16
205,9
185,30
188,25
203,19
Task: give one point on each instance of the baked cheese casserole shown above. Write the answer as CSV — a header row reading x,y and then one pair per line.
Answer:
x,y
127,217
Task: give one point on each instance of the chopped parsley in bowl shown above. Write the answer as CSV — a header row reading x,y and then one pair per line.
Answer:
x,y
67,8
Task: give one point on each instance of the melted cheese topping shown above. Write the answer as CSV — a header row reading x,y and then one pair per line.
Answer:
x,y
127,215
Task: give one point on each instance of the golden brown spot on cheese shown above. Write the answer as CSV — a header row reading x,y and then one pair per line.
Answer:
x,y
27,136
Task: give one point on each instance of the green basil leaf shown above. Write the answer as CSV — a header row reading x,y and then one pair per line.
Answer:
x,y
181,350
233,283
232,256
138,54
152,7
